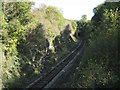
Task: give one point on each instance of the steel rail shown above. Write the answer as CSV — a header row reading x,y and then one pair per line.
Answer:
x,y
61,68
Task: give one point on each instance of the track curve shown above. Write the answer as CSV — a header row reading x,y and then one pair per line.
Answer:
x,y
58,70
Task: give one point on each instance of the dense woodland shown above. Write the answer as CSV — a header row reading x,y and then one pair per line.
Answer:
x,y
100,64
35,39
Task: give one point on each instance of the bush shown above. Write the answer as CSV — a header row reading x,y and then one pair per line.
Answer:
x,y
100,64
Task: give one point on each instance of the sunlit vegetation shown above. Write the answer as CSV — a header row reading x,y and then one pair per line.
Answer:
x,y
32,41
99,67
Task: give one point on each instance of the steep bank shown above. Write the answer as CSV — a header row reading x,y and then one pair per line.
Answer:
x,y
32,42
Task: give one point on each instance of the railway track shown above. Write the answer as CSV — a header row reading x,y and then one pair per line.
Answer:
x,y
58,70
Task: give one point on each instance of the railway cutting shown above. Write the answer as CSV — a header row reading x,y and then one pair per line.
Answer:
x,y
50,78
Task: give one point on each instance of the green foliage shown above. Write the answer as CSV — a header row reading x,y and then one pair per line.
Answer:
x,y
99,66
13,33
26,40
19,9
98,18
83,25
84,18
74,24
54,16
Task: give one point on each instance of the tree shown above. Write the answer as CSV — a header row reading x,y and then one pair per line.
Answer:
x,y
82,24
84,18
99,67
